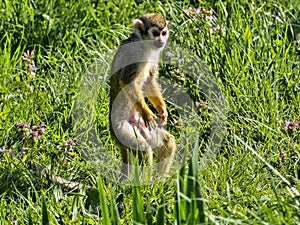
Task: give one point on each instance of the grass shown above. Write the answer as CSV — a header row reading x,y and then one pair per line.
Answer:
x,y
252,50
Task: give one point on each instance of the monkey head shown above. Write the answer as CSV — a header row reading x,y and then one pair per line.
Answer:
x,y
154,27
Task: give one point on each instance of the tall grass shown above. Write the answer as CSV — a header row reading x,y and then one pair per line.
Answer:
x,y
252,50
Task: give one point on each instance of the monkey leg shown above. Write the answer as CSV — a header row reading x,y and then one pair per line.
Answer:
x,y
166,154
133,146
165,145
135,162
125,167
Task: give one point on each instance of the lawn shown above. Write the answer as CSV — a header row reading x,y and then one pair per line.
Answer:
x,y
230,75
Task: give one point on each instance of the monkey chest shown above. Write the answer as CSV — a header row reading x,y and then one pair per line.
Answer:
x,y
148,71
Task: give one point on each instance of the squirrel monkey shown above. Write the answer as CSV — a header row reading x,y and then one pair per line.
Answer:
x,y
134,74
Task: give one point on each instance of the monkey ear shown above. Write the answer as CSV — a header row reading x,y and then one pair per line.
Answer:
x,y
138,24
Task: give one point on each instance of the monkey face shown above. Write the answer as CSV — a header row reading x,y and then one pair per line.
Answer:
x,y
152,27
158,36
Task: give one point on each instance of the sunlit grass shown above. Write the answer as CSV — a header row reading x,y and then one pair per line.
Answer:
x,y
252,51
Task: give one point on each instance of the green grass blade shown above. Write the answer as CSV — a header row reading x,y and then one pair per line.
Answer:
x,y
179,203
199,203
137,206
160,218
30,219
103,203
115,217
45,215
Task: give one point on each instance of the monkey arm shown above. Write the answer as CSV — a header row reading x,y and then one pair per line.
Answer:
x,y
161,109
154,95
134,94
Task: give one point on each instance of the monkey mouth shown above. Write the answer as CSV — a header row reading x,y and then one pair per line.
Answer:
x,y
158,44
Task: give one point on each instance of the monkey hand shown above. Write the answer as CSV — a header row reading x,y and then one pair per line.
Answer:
x,y
163,115
148,117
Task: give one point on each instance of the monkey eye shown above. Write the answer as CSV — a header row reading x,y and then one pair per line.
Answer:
x,y
155,33
164,33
